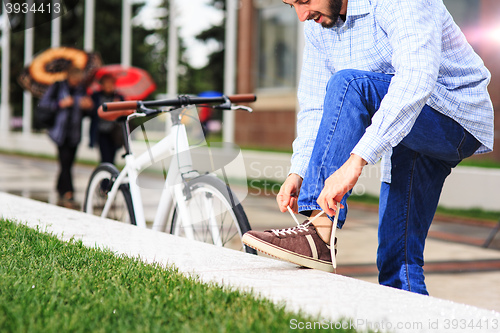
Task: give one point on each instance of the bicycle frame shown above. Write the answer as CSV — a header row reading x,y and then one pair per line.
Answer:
x,y
186,193
174,144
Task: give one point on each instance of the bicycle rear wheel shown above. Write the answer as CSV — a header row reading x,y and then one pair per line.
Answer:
x,y
100,183
215,215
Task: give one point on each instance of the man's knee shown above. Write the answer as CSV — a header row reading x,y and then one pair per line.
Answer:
x,y
344,75
350,76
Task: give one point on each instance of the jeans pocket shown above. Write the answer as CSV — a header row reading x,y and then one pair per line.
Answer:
x,y
468,145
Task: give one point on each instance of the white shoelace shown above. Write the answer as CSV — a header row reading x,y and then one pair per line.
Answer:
x,y
334,230
303,227
298,228
289,231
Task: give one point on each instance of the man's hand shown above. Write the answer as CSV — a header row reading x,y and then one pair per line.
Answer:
x,y
66,102
86,103
339,183
289,193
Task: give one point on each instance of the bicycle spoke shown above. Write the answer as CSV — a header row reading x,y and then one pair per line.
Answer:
x,y
212,218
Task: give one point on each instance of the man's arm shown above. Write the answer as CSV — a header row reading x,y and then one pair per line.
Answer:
x,y
414,31
311,94
339,183
314,77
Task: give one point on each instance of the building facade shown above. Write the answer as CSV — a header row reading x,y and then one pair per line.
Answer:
x,y
270,44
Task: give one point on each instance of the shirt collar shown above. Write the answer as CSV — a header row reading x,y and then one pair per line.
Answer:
x,y
358,7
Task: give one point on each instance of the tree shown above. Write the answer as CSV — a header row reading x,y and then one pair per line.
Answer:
x,y
157,58
213,72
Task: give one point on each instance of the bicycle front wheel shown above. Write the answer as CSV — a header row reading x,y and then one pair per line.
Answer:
x,y
100,183
213,215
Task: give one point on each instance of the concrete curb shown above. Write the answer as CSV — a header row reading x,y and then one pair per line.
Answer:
x,y
330,296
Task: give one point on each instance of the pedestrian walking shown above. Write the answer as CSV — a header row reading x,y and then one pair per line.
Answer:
x,y
68,101
107,134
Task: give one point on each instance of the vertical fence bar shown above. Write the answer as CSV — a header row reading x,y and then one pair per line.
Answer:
x,y
5,79
28,56
230,65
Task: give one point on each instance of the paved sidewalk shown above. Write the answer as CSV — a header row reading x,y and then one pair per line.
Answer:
x,y
457,271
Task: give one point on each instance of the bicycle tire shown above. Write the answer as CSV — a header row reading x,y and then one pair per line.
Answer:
x,y
211,185
100,183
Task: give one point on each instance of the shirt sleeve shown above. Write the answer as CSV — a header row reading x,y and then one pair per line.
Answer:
x,y
311,94
414,32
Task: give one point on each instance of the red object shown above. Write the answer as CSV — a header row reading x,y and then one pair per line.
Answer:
x,y
131,82
205,113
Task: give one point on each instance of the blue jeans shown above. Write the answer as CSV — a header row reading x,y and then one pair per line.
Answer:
x,y
420,164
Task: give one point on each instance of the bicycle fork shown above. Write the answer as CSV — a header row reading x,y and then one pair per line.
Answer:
x,y
182,164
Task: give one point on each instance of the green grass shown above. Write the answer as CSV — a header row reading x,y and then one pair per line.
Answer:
x,y
267,149
480,163
364,198
264,186
474,213
47,285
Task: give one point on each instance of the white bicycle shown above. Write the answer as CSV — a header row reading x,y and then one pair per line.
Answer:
x,y
199,206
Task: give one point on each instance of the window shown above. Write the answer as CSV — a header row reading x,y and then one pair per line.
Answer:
x,y
277,46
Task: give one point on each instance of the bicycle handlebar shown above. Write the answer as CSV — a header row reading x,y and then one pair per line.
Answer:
x,y
242,98
180,101
120,106
114,115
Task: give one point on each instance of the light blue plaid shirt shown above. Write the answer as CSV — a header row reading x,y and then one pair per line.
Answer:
x,y
432,63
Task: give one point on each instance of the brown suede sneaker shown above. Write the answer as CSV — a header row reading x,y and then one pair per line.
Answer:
x,y
300,245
